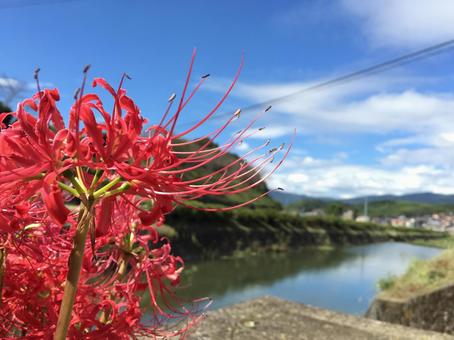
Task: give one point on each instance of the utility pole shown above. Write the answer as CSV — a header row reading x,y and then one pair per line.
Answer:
x,y
365,206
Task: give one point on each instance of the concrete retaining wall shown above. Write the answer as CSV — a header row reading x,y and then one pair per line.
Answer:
x,y
432,311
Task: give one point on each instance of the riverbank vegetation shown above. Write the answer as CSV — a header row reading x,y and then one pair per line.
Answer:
x,y
446,242
205,234
421,277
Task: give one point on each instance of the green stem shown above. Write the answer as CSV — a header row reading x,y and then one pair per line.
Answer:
x,y
104,189
77,185
122,188
67,188
80,178
86,218
96,178
32,178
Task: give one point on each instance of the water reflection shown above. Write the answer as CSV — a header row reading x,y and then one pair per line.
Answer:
x,y
340,279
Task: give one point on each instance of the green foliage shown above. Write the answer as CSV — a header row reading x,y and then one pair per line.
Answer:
x,y
444,243
228,200
387,282
423,276
307,205
397,208
336,209
331,208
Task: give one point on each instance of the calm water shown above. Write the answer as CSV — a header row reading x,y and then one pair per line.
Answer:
x,y
342,279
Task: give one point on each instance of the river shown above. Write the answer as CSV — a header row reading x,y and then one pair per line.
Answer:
x,y
342,279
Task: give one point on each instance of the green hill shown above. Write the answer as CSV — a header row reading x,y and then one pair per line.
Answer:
x,y
228,200
397,208
287,198
385,208
332,208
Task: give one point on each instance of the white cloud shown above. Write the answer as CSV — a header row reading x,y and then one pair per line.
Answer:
x,y
422,161
242,147
436,156
271,132
12,89
419,159
10,82
404,22
333,178
361,107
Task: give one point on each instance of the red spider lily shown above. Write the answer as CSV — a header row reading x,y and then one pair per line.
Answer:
x,y
112,285
112,166
150,166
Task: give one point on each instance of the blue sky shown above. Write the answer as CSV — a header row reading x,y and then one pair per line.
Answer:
x,y
391,133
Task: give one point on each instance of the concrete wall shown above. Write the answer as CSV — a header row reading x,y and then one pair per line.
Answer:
x,y
432,311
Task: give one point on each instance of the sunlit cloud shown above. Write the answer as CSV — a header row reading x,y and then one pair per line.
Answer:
x,y
406,23
420,161
335,178
242,147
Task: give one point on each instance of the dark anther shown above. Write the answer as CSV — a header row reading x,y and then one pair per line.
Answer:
x,y
76,94
86,68
37,72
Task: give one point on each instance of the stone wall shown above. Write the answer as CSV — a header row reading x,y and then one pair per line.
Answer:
x,y
432,311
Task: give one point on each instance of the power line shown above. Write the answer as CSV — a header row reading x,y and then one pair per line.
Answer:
x,y
362,73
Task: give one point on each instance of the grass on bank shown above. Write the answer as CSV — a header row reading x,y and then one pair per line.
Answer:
x,y
422,276
443,243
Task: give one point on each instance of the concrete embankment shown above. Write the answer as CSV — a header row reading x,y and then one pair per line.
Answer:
x,y
422,298
210,235
270,318
431,311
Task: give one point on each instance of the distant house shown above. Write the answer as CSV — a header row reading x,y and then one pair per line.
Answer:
x,y
400,221
363,219
348,215
315,212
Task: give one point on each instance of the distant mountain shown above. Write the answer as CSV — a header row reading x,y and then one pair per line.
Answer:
x,y
286,198
423,197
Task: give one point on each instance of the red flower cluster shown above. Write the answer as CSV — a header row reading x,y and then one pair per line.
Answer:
x,y
82,272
